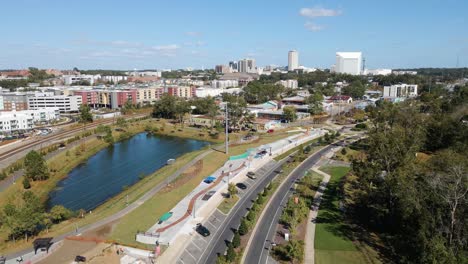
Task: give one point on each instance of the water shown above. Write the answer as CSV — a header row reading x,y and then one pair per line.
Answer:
x,y
107,172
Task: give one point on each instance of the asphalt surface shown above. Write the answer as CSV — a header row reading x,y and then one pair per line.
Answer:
x,y
217,245
258,252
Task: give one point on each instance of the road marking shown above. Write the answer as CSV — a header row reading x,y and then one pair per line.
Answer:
x,y
212,225
196,245
191,255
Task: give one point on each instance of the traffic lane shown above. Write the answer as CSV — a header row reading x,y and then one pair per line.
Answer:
x,y
254,254
218,244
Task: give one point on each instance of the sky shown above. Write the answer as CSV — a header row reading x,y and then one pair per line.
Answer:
x,y
154,34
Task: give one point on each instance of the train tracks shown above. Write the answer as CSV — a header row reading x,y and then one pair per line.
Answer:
x,y
59,136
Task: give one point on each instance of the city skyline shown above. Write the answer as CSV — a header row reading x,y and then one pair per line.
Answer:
x,y
159,35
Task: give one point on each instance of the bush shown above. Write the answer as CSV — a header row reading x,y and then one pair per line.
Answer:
x,y
236,240
343,151
243,228
361,126
251,215
231,254
3,175
260,199
26,183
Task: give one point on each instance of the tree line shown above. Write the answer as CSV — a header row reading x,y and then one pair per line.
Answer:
x,y
411,185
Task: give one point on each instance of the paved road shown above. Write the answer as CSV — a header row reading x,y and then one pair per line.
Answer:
x,y
217,245
122,212
266,228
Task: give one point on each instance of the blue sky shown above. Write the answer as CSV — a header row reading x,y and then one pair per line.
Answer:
x,y
142,34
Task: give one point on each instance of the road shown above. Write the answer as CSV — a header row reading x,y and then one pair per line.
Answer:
x,y
122,212
266,227
217,244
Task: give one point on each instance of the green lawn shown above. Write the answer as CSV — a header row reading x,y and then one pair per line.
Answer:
x,y
332,241
228,203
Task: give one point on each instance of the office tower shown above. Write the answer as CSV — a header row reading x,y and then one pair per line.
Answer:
x,y
293,60
348,62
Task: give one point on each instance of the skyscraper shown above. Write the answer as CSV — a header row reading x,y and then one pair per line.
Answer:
x,y
247,65
348,62
293,60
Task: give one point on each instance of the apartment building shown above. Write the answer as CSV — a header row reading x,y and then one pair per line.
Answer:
x,y
182,91
149,95
401,90
24,120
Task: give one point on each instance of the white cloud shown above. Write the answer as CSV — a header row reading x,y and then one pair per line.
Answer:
x,y
170,47
319,12
193,33
312,26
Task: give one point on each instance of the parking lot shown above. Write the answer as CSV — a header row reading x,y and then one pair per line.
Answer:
x,y
198,244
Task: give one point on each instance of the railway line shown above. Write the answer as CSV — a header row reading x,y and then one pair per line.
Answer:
x,y
59,136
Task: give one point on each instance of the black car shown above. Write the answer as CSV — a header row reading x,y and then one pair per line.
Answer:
x,y
202,230
241,186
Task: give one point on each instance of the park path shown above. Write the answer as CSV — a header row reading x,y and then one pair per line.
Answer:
x,y
28,254
310,232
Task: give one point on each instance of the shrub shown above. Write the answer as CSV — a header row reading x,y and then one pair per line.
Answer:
x,y
343,151
243,228
236,240
26,183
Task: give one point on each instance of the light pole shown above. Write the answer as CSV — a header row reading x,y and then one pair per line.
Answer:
x,y
230,171
226,121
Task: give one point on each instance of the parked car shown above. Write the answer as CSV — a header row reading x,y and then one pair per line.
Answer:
x,y
279,171
241,186
270,130
251,175
202,230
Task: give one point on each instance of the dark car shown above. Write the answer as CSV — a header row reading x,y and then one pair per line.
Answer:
x,y
241,186
251,175
202,230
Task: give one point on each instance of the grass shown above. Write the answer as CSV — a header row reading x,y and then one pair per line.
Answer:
x,y
228,203
334,242
289,152
147,214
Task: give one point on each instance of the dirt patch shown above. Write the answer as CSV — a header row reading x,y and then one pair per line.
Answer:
x,y
185,177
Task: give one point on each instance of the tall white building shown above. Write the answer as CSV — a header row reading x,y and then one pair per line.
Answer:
x,y
1,103
401,90
293,60
247,65
348,62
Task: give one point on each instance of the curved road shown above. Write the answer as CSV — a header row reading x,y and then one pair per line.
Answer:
x,y
266,227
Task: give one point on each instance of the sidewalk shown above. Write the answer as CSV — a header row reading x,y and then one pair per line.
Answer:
x,y
310,232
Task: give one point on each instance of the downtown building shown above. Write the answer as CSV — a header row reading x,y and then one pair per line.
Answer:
x,y
293,60
348,63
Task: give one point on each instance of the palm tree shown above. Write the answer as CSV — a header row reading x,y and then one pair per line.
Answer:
x,y
232,190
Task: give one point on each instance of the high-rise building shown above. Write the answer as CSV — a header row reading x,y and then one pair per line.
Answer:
x,y
293,60
348,62
247,65
234,66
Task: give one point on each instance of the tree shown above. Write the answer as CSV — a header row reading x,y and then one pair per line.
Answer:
x,y
295,250
59,213
237,110
289,113
127,107
232,190
236,240
85,114
121,122
182,108
231,254
35,166
356,89
244,227
26,183
259,92
165,107
315,103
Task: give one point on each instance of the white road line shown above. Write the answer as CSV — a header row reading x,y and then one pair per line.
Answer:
x,y
196,246
190,254
212,225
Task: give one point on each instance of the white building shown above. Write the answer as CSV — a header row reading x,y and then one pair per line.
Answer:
x,y
24,120
348,62
293,84
405,72
293,60
378,72
72,79
1,103
207,91
401,90
113,78
64,103
247,65
224,83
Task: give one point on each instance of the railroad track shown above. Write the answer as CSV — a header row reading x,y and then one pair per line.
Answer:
x,y
59,136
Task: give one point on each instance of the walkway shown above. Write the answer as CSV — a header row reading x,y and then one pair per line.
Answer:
x,y
28,254
310,232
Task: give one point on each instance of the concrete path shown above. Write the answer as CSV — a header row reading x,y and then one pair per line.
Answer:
x,y
310,232
28,254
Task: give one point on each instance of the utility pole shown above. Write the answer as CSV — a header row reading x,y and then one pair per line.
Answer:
x,y
226,121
